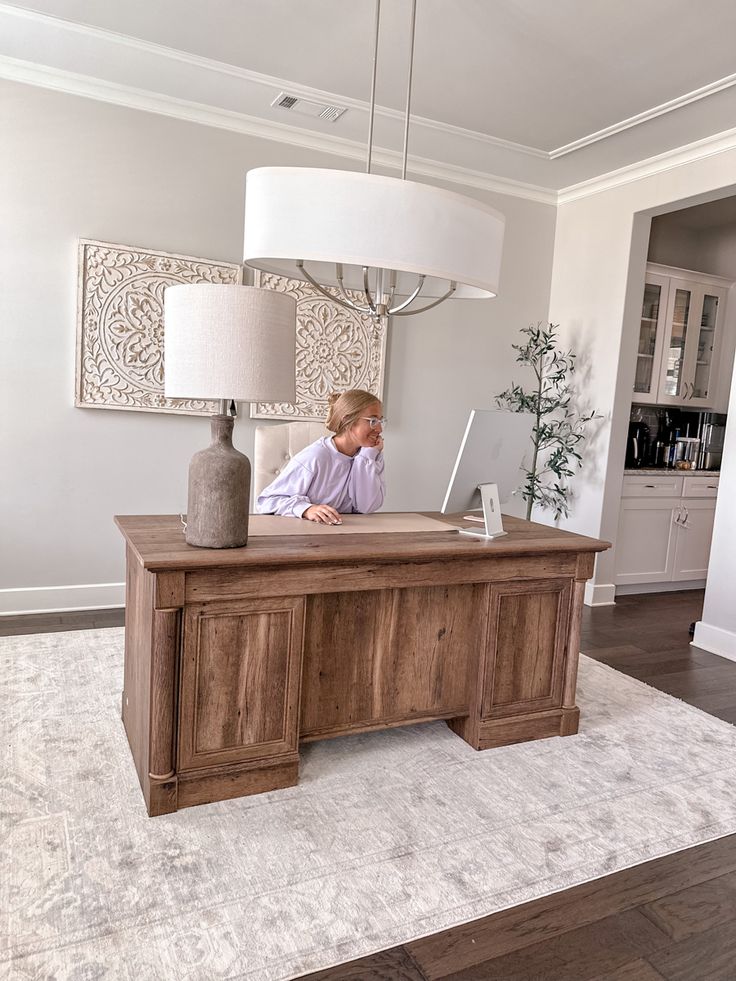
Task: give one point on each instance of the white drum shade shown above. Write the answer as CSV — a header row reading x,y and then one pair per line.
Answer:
x,y
337,216
229,342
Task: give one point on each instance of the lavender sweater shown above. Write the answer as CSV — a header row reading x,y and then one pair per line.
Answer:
x,y
321,474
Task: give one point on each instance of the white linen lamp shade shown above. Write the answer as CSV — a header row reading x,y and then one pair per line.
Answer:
x,y
329,217
229,342
226,342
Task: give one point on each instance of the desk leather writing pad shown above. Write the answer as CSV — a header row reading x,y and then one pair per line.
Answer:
x,y
352,524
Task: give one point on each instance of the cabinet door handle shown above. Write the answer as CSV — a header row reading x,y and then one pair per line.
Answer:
x,y
712,486
684,524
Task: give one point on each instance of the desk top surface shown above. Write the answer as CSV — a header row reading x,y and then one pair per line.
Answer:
x,y
158,542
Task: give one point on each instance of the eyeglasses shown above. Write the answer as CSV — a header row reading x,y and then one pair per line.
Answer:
x,y
374,421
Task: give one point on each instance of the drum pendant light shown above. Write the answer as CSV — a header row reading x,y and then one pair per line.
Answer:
x,y
398,242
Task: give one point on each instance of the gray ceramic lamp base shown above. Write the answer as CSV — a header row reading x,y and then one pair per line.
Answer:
x,y
219,492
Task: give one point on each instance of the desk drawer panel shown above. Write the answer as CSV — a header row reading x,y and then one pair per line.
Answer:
x,y
526,652
219,584
384,655
239,681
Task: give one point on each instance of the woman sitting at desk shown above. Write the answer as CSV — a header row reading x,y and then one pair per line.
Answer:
x,y
340,474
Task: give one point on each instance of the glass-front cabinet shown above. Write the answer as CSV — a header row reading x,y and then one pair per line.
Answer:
x,y
676,338
702,370
651,338
679,339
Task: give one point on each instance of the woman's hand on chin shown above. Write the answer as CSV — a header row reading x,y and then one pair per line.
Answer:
x,y
323,514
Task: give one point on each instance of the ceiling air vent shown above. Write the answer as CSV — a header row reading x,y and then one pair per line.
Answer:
x,y
318,110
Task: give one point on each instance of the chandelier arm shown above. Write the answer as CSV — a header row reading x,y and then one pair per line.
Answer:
x,y
408,88
373,90
339,276
408,313
391,289
414,295
323,291
367,291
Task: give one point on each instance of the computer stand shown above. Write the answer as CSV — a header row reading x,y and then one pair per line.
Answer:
x,y
491,514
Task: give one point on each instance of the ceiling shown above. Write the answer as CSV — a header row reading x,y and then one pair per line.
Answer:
x,y
564,83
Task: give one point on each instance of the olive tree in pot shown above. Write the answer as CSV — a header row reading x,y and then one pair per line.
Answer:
x,y
559,429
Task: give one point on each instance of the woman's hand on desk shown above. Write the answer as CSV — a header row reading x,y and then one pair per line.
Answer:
x,y
323,514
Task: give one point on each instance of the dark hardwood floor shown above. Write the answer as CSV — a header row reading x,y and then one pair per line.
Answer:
x,y
46,623
672,918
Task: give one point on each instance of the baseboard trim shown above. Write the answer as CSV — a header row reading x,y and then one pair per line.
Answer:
x,y
61,599
600,594
715,640
633,588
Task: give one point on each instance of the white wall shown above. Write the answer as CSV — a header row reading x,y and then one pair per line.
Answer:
x,y
673,245
72,168
716,631
597,280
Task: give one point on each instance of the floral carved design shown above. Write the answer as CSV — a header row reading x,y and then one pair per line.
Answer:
x,y
120,332
336,349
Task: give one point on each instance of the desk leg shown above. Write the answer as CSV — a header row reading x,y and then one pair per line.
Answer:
x,y
152,638
525,687
571,713
161,795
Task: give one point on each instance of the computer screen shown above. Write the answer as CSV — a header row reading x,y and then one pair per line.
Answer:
x,y
492,450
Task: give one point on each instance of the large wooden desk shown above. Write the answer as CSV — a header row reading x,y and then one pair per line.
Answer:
x,y
234,656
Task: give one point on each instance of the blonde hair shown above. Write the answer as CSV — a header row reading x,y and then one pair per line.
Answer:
x,y
345,408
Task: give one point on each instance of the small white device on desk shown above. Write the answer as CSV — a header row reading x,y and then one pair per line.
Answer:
x,y
488,467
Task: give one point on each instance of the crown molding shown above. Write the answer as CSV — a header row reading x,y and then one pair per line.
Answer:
x,y
306,92
684,100
266,81
669,160
126,95
72,83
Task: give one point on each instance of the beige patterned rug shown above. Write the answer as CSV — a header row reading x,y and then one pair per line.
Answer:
x,y
388,837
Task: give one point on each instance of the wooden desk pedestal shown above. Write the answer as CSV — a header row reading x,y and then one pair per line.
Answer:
x,y
234,657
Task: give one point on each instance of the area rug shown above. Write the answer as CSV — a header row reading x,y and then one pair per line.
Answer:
x,y
388,837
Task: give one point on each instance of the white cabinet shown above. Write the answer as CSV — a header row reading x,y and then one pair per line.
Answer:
x,y
645,544
692,540
680,337
665,528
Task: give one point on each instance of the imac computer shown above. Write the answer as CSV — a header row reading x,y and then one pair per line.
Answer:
x,y
488,467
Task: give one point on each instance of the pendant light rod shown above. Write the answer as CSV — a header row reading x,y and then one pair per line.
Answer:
x,y
408,87
373,89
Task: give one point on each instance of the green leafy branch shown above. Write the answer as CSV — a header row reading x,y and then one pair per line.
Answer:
x,y
558,430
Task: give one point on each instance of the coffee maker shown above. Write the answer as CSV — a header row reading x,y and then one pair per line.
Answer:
x,y
637,444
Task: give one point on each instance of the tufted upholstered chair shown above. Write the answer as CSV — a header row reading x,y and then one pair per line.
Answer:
x,y
276,445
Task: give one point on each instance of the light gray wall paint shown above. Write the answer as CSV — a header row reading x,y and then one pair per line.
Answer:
x,y
74,168
672,245
708,250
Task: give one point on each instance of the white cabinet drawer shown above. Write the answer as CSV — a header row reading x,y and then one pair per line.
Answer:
x,y
700,486
653,485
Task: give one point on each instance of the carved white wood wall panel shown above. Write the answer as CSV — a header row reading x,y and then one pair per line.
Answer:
x,y
120,324
336,349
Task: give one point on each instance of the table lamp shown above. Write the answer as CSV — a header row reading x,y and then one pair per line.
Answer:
x,y
228,343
